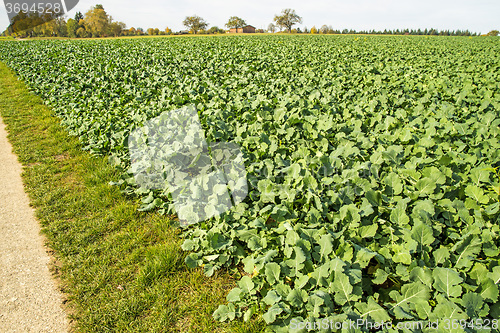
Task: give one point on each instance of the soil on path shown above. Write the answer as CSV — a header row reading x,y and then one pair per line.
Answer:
x,y
29,299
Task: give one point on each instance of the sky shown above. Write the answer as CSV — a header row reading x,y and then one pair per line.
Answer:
x,y
476,16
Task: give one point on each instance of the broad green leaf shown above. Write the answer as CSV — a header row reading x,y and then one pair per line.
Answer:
x,y
477,194
425,186
441,255
489,290
495,275
466,250
192,260
411,293
297,262
363,257
297,297
447,281
374,197
294,171
372,310
368,231
435,174
326,246
446,309
341,287
473,304
272,313
266,189
401,255
422,275
380,276
394,185
422,234
271,298
480,175
272,272
398,214
423,206
246,284
234,295
225,312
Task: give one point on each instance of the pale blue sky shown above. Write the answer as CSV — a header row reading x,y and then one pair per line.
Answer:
x,y
477,16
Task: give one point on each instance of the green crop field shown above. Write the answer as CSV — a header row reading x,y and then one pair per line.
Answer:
x,y
373,164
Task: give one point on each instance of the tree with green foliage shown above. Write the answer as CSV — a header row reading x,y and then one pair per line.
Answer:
x,y
71,27
287,19
78,16
235,22
195,23
116,28
61,29
215,30
492,33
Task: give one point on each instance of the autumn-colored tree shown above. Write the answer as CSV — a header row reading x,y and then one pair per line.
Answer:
x,y
168,31
49,28
492,33
21,22
195,23
151,31
314,30
82,33
96,21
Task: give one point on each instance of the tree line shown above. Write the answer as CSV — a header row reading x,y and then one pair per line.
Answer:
x,y
95,23
98,23
427,32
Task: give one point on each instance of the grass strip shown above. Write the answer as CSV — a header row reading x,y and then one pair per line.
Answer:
x,y
121,270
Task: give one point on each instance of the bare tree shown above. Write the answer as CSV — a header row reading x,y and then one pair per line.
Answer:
x,y
271,28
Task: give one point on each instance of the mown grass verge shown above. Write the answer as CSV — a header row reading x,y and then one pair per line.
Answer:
x,y
121,270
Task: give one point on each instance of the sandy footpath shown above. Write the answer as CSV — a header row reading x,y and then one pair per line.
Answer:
x,y
29,299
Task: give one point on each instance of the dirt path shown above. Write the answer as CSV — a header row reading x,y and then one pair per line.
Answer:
x,y
29,299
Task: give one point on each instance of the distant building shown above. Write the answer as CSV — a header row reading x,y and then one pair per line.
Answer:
x,y
248,29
